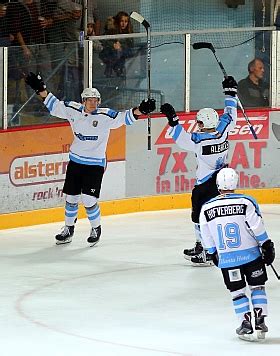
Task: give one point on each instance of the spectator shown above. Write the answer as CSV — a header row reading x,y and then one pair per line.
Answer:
x,y
5,36
63,24
116,51
35,38
90,27
18,22
91,32
233,232
253,91
72,23
93,15
91,126
24,21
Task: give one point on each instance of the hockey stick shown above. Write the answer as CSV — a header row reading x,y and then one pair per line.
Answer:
x,y
275,272
207,45
275,13
251,232
276,130
139,18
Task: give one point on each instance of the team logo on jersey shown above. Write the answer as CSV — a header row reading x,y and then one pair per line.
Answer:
x,y
92,190
94,123
256,274
234,275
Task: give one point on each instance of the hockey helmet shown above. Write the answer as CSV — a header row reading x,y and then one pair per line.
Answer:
x,y
90,93
209,117
227,179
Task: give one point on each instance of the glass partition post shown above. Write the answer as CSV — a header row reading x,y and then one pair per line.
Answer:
x,y
88,62
275,69
3,88
187,72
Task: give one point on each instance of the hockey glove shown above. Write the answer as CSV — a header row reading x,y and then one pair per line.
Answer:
x,y
229,86
168,110
268,252
147,106
35,81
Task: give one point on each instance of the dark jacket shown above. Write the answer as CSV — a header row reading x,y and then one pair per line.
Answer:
x,y
252,95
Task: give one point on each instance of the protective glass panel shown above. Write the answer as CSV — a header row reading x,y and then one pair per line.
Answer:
x,y
61,66
120,71
1,88
234,52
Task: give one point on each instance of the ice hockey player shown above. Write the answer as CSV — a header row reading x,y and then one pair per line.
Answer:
x,y
91,127
210,145
233,232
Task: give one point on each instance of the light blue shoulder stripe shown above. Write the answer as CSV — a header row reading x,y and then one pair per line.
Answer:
x,y
50,102
176,133
224,121
263,237
231,102
112,113
128,120
197,137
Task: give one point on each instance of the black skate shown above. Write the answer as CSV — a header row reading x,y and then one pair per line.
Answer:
x,y
260,326
245,330
197,249
65,236
204,259
94,235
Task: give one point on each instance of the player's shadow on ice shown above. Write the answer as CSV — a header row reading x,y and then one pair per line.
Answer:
x,y
271,341
56,253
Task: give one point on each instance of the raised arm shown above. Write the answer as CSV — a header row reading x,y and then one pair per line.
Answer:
x,y
55,107
176,131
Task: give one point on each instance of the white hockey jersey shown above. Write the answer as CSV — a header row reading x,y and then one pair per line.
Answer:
x,y
211,149
232,225
91,130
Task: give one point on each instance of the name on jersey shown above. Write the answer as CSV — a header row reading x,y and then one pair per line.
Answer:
x,y
86,138
217,148
225,210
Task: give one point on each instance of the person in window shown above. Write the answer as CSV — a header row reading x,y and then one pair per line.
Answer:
x,y
5,36
253,91
116,51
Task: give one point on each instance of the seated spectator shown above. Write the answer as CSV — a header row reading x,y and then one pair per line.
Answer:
x,y
93,14
253,91
116,51
90,28
97,46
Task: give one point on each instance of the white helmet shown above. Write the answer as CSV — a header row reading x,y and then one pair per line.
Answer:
x,y
209,117
227,179
90,93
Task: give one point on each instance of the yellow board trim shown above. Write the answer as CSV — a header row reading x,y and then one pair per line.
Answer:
x,y
124,206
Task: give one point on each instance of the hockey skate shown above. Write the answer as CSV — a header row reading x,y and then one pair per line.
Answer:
x,y
204,259
191,252
245,330
260,326
94,236
65,236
